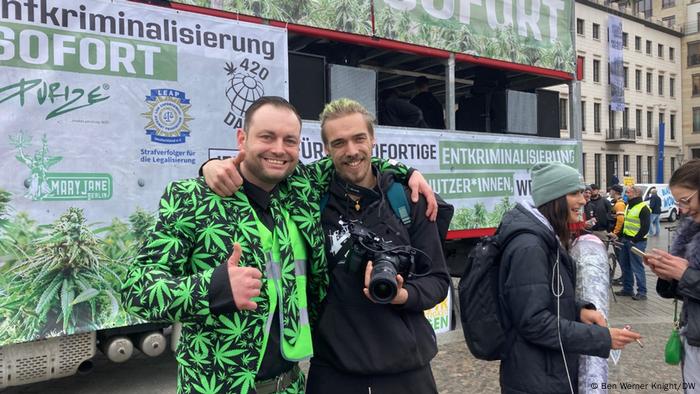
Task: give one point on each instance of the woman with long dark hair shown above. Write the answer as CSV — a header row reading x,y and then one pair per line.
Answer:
x,y
549,328
679,271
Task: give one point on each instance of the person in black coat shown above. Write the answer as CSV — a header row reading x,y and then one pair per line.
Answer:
x,y
549,328
433,113
395,110
679,271
655,206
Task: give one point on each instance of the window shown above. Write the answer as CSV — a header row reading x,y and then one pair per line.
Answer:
x,y
648,47
639,168
562,114
579,26
669,21
693,53
650,161
581,68
626,120
668,3
596,117
672,125
650,123
696,119
696,84
626,75
637,43
625,40
672,87
611,121
642,7
638,122
596,31
583,164
596,168
649,82
596,70
626,165
673,165
638,80
662,120
661,85
583,116
660,51
671,54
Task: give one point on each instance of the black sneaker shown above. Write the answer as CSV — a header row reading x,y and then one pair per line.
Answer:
x,y
617,282
623,293
639,297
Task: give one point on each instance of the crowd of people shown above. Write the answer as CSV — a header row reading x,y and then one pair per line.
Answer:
x,y
266,262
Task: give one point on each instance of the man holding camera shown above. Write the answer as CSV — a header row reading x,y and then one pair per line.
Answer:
x,y
362,345
243,274
372,341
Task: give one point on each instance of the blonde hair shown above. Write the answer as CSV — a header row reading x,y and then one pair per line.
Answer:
x,y
343,107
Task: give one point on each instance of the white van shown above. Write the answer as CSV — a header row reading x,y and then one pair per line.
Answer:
x,y
669,209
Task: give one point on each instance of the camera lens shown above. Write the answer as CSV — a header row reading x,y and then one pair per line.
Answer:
x,y
382,282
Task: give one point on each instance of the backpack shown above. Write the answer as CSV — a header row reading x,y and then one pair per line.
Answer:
x,y
484,326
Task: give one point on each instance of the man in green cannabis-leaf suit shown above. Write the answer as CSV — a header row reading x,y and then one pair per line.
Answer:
x,y
243,274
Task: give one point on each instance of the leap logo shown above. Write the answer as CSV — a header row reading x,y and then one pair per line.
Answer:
x,y
168,116
43,185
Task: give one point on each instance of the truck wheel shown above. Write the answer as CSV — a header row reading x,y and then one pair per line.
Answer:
x,y
673,216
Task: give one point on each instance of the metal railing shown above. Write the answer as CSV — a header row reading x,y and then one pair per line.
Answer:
x,y
621,134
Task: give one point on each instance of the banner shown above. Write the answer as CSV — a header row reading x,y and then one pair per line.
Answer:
x,y
482,175
617,72
350,16
101,105
533,33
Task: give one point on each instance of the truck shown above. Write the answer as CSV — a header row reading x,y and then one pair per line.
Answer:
x,y
103,103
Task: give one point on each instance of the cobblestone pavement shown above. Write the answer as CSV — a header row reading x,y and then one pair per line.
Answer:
x,y
456,371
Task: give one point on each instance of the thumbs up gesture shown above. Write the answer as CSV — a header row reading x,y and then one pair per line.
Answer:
x,y
245,281
222,175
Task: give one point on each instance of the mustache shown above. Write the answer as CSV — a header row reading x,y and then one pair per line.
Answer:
x,y
356,157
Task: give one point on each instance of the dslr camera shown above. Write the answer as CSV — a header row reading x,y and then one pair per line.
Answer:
x,y
388,260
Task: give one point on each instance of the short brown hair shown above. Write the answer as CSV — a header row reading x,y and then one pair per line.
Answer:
x,y
687,175
275,101
343,107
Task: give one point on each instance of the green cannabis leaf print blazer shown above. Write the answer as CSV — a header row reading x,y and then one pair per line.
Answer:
x,y
195,232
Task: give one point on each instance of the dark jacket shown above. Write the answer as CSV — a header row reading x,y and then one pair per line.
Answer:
x,y
644,220
534,363
686,245
599,209
354,334
655,204
397,111
433,113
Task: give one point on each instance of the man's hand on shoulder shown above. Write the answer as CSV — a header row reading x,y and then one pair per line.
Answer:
x,y
245,281
222,176
419,185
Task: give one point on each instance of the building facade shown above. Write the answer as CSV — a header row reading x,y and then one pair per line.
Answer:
x,y
626,143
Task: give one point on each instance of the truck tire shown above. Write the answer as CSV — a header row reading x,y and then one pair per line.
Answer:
x,y
673,216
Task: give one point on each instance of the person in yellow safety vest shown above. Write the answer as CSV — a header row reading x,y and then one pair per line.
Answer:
x,y
634,234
